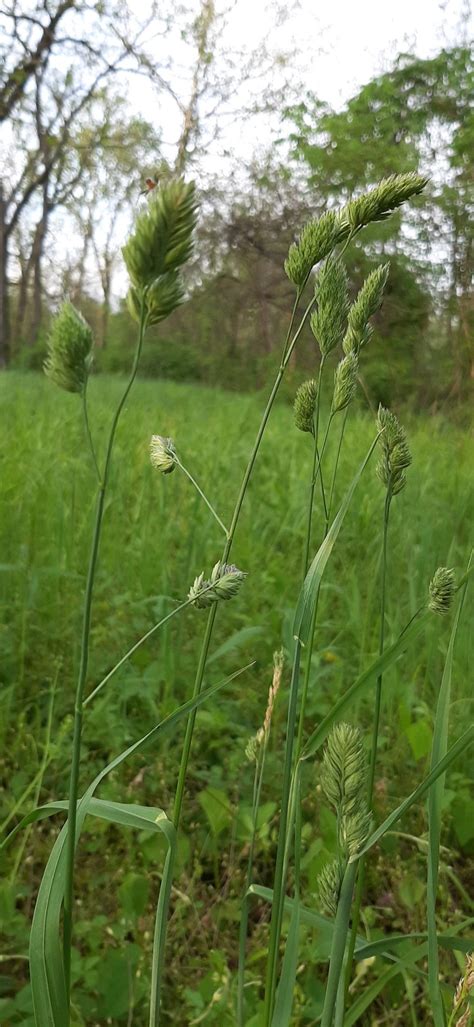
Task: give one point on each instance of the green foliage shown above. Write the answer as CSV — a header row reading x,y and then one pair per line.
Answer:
x,y
40,605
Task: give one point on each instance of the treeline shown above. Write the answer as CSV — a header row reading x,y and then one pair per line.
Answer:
x,y
83,172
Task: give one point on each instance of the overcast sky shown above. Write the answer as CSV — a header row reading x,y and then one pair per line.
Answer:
x,y
336,46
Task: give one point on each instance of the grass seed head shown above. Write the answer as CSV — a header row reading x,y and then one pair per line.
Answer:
x,y
329,886
345,382
162,454
396,456
224,583
344,783
442,590
305,406
69,356
378,203
328,321
367,302
317,240
160,244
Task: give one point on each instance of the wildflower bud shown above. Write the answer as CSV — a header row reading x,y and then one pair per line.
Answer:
x,y
162,454
69,350
161,243
305,406
345,382
442,590
389,194
329,319
329,887
318,238
396,456
224,583
366,304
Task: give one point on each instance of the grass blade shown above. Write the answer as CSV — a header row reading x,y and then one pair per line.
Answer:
x,y
312,581
46,958
363,683
435,800
456,750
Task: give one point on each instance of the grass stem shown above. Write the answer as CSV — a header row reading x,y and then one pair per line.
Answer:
x,y
84,660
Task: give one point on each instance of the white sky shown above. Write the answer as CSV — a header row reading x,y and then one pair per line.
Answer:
x,y
338,46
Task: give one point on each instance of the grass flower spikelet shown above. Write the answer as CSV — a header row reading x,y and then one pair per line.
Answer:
x,y
69,356
344,783
328,321
162,454
224,583
329,887
345,382
159,246
365,305
396,456
378,203
317,240
442,590
305,406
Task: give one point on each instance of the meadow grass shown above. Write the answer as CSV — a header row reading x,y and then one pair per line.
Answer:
x,y
157,537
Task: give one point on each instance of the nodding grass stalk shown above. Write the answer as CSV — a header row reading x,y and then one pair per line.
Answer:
x,y
84,660
289,345
373,751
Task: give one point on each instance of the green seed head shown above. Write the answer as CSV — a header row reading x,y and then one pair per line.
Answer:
x,y
442,590
344,783
378,203
305,406
224,583
318,238
70,344
329,319
162,454
396,456
366,304
345,382
159,246
329,887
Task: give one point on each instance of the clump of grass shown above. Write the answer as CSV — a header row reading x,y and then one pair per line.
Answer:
x,y
159,245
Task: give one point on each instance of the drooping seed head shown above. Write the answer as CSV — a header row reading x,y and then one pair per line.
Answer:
x,y
162,454
396,456
345,382
442,590
224,583
305,406
328,320
378,203
69,356
367,302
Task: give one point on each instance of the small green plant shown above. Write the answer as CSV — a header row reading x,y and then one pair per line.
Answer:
x,y
158,247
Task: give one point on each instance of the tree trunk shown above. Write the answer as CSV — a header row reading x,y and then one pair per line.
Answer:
x,y
37,256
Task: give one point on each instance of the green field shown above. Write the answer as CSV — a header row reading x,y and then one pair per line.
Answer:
x,y
157,537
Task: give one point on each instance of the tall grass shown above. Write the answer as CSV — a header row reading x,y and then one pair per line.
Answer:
x,y
329,498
